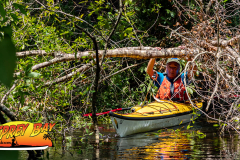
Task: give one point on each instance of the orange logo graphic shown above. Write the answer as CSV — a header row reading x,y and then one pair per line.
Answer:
x,y
21,135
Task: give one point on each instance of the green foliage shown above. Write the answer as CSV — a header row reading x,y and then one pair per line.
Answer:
x,y
190,90
51,31
34,75
189,126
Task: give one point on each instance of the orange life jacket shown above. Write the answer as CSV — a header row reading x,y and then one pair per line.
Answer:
x,y
179,90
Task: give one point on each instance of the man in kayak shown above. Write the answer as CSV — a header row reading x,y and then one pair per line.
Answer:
x,y
170,84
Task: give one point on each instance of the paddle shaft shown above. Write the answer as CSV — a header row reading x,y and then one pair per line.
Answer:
x,y
102,113
123,109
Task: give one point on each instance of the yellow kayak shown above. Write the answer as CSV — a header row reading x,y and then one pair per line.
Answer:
x,y
153,116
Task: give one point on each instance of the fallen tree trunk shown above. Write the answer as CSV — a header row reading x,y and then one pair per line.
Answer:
x,y
131,52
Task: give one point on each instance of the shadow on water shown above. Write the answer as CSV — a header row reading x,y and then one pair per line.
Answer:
x,y
200,142
9,155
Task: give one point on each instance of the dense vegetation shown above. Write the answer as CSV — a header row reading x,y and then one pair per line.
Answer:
x,y
63,90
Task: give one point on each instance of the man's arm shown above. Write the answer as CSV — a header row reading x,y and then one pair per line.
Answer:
x,y
150,67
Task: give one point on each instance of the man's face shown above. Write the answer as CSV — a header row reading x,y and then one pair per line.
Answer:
x,y
172,70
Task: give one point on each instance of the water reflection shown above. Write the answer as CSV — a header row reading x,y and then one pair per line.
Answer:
x,y
165,145
184,144
173,143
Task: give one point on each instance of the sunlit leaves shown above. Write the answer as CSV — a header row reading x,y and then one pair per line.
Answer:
x,y
189,90
189,126
127,2
34,75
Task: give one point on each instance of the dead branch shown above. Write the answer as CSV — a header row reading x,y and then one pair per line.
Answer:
x,y
8,92
33,53
209,6
68,76
219,89
225,43
234,54
131,52
107,77
206,45
9,113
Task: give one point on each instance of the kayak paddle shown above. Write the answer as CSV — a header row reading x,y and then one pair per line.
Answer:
x,y
102,113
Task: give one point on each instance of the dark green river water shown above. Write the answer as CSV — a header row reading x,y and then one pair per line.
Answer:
x,y
199,142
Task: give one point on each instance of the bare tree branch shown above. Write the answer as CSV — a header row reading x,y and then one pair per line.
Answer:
x,y
8,92
33,53
225,43
105,78
68,76
209,6
131,52
10,114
